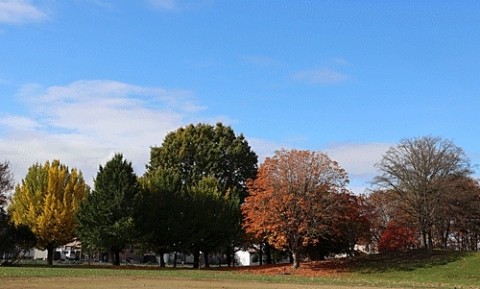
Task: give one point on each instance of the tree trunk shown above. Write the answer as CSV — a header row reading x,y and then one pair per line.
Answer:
x,y
430,241
196,259
424,240
295,258
445,237
162,262
175,259
268,252
229,258
260,254
50,253
205,258
116,257
161,259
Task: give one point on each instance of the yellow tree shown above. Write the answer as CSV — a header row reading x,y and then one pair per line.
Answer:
x,y
47,201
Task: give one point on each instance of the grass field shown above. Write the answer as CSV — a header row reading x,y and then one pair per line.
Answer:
x,y
413,270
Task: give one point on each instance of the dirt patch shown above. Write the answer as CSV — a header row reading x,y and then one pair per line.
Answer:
x,y
309,269
147,283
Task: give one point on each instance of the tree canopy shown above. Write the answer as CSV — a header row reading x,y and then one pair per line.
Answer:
x,y
13,239
419,172
213,165
293,200
47,201
6,183
107,217
201,150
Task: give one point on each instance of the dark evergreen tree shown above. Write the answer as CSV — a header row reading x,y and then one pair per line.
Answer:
x,y
13,239
159,217
107,218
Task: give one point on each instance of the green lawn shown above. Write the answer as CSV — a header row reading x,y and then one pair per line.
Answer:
x,y
444,269
417,270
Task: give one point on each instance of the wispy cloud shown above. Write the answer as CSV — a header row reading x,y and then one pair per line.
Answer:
x,y
85,122
19,123
320,76
178,5
358,159
20,12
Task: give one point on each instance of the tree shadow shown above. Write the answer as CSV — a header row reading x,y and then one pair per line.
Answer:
x,y
404,261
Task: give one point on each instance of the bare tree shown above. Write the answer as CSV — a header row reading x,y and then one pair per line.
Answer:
x,y
418,171
6,182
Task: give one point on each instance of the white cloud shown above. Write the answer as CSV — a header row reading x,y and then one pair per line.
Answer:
x,y
19,123
84,123
358,159
19,12
265,148
179,5
320,76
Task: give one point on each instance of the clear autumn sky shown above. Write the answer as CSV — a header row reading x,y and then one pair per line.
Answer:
x,y
83,79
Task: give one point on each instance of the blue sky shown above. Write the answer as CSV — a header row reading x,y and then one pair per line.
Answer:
x,y
83,79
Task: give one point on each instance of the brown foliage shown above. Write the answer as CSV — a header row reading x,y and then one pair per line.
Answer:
x,y
291,202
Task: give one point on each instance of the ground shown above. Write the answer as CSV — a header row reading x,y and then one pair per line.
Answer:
x,y
309,269
149,283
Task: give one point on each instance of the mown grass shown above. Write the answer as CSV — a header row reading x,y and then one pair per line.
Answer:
x,y
415,270
441,269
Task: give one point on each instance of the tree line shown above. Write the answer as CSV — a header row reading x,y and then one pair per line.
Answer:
x,y
203,191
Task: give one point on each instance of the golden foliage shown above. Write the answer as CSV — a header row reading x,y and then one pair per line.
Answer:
x,y
47,201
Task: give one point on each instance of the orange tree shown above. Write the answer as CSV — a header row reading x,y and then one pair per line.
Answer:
x,y
293,200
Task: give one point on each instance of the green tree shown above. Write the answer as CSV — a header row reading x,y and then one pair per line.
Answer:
x,y
107,217
159,217
201,151
47,201
212,219
13,239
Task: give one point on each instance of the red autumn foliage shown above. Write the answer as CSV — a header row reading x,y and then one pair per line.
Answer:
x,y
397,237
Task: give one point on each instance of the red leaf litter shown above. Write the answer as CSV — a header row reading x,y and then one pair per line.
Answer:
x,y
309,269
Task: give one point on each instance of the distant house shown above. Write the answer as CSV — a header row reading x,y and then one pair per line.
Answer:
x,y
70,251
244,258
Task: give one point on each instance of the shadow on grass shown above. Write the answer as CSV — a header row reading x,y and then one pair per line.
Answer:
x,y
404,261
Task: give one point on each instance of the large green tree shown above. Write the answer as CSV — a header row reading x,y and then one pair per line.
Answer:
x,y
206,158
201,150
107,217
47,201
